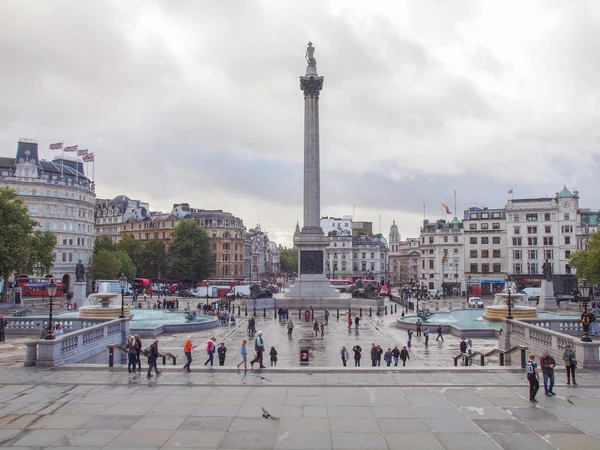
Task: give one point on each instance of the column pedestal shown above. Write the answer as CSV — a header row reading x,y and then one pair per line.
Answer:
x,y
547,299
79,296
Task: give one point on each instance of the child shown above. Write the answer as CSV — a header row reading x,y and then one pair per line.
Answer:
x,y
222,351
316,328
273,354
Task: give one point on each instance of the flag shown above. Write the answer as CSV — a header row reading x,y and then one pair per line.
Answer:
x,y
447,209
510,191
82,152
57,146
72,148
445,258
88,158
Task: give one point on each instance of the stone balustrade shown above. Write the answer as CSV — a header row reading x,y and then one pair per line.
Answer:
x,y
572,327
77,346
34,323
538,336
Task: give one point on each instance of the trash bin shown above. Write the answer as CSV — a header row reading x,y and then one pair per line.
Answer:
x,y
304,353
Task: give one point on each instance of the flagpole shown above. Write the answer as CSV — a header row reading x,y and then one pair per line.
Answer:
x,y
62,162
455,212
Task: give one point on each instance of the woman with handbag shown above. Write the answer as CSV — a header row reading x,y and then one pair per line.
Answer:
x,y
570,363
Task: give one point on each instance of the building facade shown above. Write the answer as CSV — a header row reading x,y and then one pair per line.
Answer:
x,y
111,213
369,258
60,198
587,224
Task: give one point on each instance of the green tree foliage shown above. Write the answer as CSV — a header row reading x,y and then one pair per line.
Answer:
x,y
288,257
103,242
126,266
104,265
153,259
133,248
587,262
21,249
189,256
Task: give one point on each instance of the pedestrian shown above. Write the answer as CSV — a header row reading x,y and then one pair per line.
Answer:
x,y
153,355
131,348
570,360
222,351
327,317
188,347
316,328
379,315
259,346
252,325
396,355
379,353
404,355
44,332
357,355
356,323
426,335
210,350
470,349
410,335
307,315
290,327
533,377
58,331
273,354
3,323
439,332
139,351
388,357
322,329
547,364
349,322
419,325
374,354
463,349
244,353
344,355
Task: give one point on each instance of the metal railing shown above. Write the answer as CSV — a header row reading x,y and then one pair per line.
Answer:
x,y
502,355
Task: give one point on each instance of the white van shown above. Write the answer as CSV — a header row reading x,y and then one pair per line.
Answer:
x,y
243,290
532,292
114,287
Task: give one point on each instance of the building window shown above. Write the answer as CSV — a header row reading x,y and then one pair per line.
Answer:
x,y
372,266
335,244
496,253
532,268
532,255
473,253
567,240
214,246
473,268
431,264
532,241
495,215
548,229
568,269
517,241
549,254
445,238
473,240
485,240
472,226
372,255
516,218
455,238
455,250
566,216
485,215
518,268
531,217
548,240
567,228
517,254
567,254
430,240
484,226
485,254
485,268
497,268
364,255
495,226
473,216
496,240
531,230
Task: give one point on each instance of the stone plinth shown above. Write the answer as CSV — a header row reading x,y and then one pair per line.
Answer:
x,y
547,299
79,294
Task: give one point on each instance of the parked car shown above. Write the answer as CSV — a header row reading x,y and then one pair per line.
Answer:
x,y
475,302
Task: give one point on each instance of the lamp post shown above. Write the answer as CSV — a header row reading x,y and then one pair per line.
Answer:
x,y
123,283
52,287
584,288
509,301
468,286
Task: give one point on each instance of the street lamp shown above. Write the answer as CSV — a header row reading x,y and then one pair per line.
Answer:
x,y
509,301
468,285
52,287
584,288
123,283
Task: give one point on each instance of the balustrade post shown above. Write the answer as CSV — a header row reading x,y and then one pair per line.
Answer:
x,y
481,360
360,311
501,359
523,360
246,311
338,313
164,360
370,312
111,357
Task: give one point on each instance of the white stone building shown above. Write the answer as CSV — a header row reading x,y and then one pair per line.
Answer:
x,y
587,224
404,259
60,198
111,214
486,248
369,258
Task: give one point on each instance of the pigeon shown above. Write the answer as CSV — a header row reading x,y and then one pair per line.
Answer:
x,y
267,415
261,377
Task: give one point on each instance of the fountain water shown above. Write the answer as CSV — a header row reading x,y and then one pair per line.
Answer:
x,y
520,309
100,305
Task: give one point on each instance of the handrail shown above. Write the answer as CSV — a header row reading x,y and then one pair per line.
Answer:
x,y
502,353
120,348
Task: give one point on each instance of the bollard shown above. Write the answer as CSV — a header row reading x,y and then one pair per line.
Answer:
x,y
312,314
370,312
501,359
254,312
396,309
338,313
299,314
360,312
265,313
275,313
246,311
386,310
239,309
523,359
164,360
111,357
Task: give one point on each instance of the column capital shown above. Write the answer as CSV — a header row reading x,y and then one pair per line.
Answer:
x,y
311,85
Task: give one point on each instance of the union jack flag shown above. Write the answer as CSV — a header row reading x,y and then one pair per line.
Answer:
x,y
82,152
57,146
72,148
88,158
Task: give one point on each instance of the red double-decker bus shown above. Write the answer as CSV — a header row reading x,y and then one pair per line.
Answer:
x,y
38,287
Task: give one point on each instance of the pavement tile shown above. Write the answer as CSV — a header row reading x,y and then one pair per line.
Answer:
x,y
347,425
358,441
413,441
182,399
195,439
499,426
340,411
207,423
80,438
128,409
465,426
300,440
216,411
61,422
165,410
111,422
521,441
303,424
394,413
249,440
456,441
158,423
403,425
145,438
38,438
255,424
484,412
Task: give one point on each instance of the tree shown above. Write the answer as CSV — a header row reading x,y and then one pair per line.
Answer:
x,y
126,266
103,242
288,257
105,265
190,257
587,262
133,248
153,259
21,249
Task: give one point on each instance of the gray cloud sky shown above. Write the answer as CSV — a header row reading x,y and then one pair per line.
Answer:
x,y
199,101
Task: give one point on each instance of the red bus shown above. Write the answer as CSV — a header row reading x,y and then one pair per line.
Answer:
x,y
38,287
341,285
142,285
223,283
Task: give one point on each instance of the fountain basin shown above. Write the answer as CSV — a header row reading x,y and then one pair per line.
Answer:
x,y
103,312
499,312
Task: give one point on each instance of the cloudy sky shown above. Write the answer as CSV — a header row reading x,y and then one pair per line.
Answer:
x,y
199,101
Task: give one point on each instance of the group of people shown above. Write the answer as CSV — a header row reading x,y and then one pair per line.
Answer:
x,y
134,354
172,303
547,365
47,330
376,354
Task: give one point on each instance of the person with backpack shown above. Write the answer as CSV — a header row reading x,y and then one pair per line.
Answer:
x,y
344,355
222,351
570,360
396,355
379,353
210,350
153,355
533,377
259,346
273,354
388,357
132,349
357,354
188,346
404,355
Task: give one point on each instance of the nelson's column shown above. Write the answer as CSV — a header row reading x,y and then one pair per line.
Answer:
x,y
311,287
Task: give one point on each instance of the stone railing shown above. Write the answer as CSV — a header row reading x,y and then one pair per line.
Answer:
x,y
572,327
34,323
77,346
540,338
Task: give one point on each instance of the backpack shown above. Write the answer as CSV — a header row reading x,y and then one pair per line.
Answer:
x,y
147,352
209,346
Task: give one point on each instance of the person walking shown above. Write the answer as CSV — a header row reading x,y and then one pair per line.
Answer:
x,y
404,355
356,323
419,325
3,323
138,340
316,328
222,352
440,333
188,347
357,355
463,349
470,350
426,335
374,354
244,353
152,358
349,322
533,377
410,335
396,355
210,350
547,363
570,360
290,327
344,355
273,354
388,357
326,317
379,354
131,354
259,346
322,329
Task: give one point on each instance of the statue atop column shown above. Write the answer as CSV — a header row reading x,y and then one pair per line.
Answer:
x,y
547,271
79,272
310,59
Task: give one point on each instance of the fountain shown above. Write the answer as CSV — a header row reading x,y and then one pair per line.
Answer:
x,y
498,310
99,305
